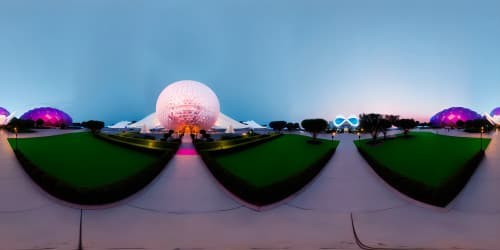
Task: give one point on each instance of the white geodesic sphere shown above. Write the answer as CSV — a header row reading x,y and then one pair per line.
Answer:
x,y
189,105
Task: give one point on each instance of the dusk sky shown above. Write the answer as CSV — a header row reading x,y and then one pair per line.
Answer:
x,y
265,59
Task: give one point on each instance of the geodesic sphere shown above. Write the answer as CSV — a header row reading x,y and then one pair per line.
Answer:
x,y
51,117
450,116
189,105
495,112
4,112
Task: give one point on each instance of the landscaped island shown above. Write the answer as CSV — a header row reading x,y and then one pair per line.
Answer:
x,y
427,167
269,172
82,168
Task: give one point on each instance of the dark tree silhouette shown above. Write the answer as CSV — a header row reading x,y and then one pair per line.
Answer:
x,y
406,125
94,126
393,119
371,123
314,126
39,123
292,126
460,124
277,125
385,125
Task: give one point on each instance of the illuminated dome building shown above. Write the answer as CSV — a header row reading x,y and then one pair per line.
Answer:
x,y
51,117
494,117
351,122
449,117
187,106
4,114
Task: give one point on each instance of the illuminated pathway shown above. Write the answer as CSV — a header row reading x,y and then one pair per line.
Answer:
x,y
184,208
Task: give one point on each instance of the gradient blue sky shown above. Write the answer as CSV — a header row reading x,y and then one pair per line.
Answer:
x,y
265,60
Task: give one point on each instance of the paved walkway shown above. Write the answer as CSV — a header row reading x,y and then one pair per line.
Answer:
x,y
29,218
184,208
472,220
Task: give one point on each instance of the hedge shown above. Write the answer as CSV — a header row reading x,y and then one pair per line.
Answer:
x,y
233,145
104,194
145,145
264,195
437,196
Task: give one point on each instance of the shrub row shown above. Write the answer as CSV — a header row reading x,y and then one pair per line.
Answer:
x,y
93,196
146,145
437,196
235,144
262,196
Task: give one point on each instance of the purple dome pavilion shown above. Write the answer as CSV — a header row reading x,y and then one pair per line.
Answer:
x,y
450,116
51,117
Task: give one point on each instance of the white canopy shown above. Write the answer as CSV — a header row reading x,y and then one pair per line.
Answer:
x,y
254,125
223,122
150,121
494,120
121,124
4,120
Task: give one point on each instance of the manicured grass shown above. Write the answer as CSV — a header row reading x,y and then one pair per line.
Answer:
x,y
83,161
274,161
425,157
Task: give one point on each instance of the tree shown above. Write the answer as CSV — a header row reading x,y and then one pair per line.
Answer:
x,y
277,125
474,126
385,125
393,119
292,126
460,124
94,126
406,125
314,126
371,123
21,125
39,123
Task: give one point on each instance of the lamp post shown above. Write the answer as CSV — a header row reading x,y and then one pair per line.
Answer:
x,y
15,130
482,131
333,135
359,136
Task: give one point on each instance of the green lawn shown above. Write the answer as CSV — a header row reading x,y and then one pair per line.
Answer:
x,y
83,161
424,157
274,161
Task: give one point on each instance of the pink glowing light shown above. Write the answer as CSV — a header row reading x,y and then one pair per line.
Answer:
x,y
186,151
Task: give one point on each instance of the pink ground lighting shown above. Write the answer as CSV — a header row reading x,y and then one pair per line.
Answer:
x,y
186,151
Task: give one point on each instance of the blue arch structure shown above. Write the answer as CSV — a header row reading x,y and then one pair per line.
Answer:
x,y
340,120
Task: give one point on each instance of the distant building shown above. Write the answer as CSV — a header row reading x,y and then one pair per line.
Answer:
x,y
449,117
494,117
187,106
51,117
4,114
346,124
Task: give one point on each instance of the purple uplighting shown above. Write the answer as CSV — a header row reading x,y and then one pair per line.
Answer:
x,y
51,117
4,112
450,116
495,112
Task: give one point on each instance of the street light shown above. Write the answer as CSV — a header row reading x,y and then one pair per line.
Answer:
x,y
15,130
359,136
333,134
482,131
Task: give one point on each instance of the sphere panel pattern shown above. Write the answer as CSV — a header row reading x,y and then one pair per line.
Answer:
x,y
495,112
187,104
4,112
51,117
450,116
